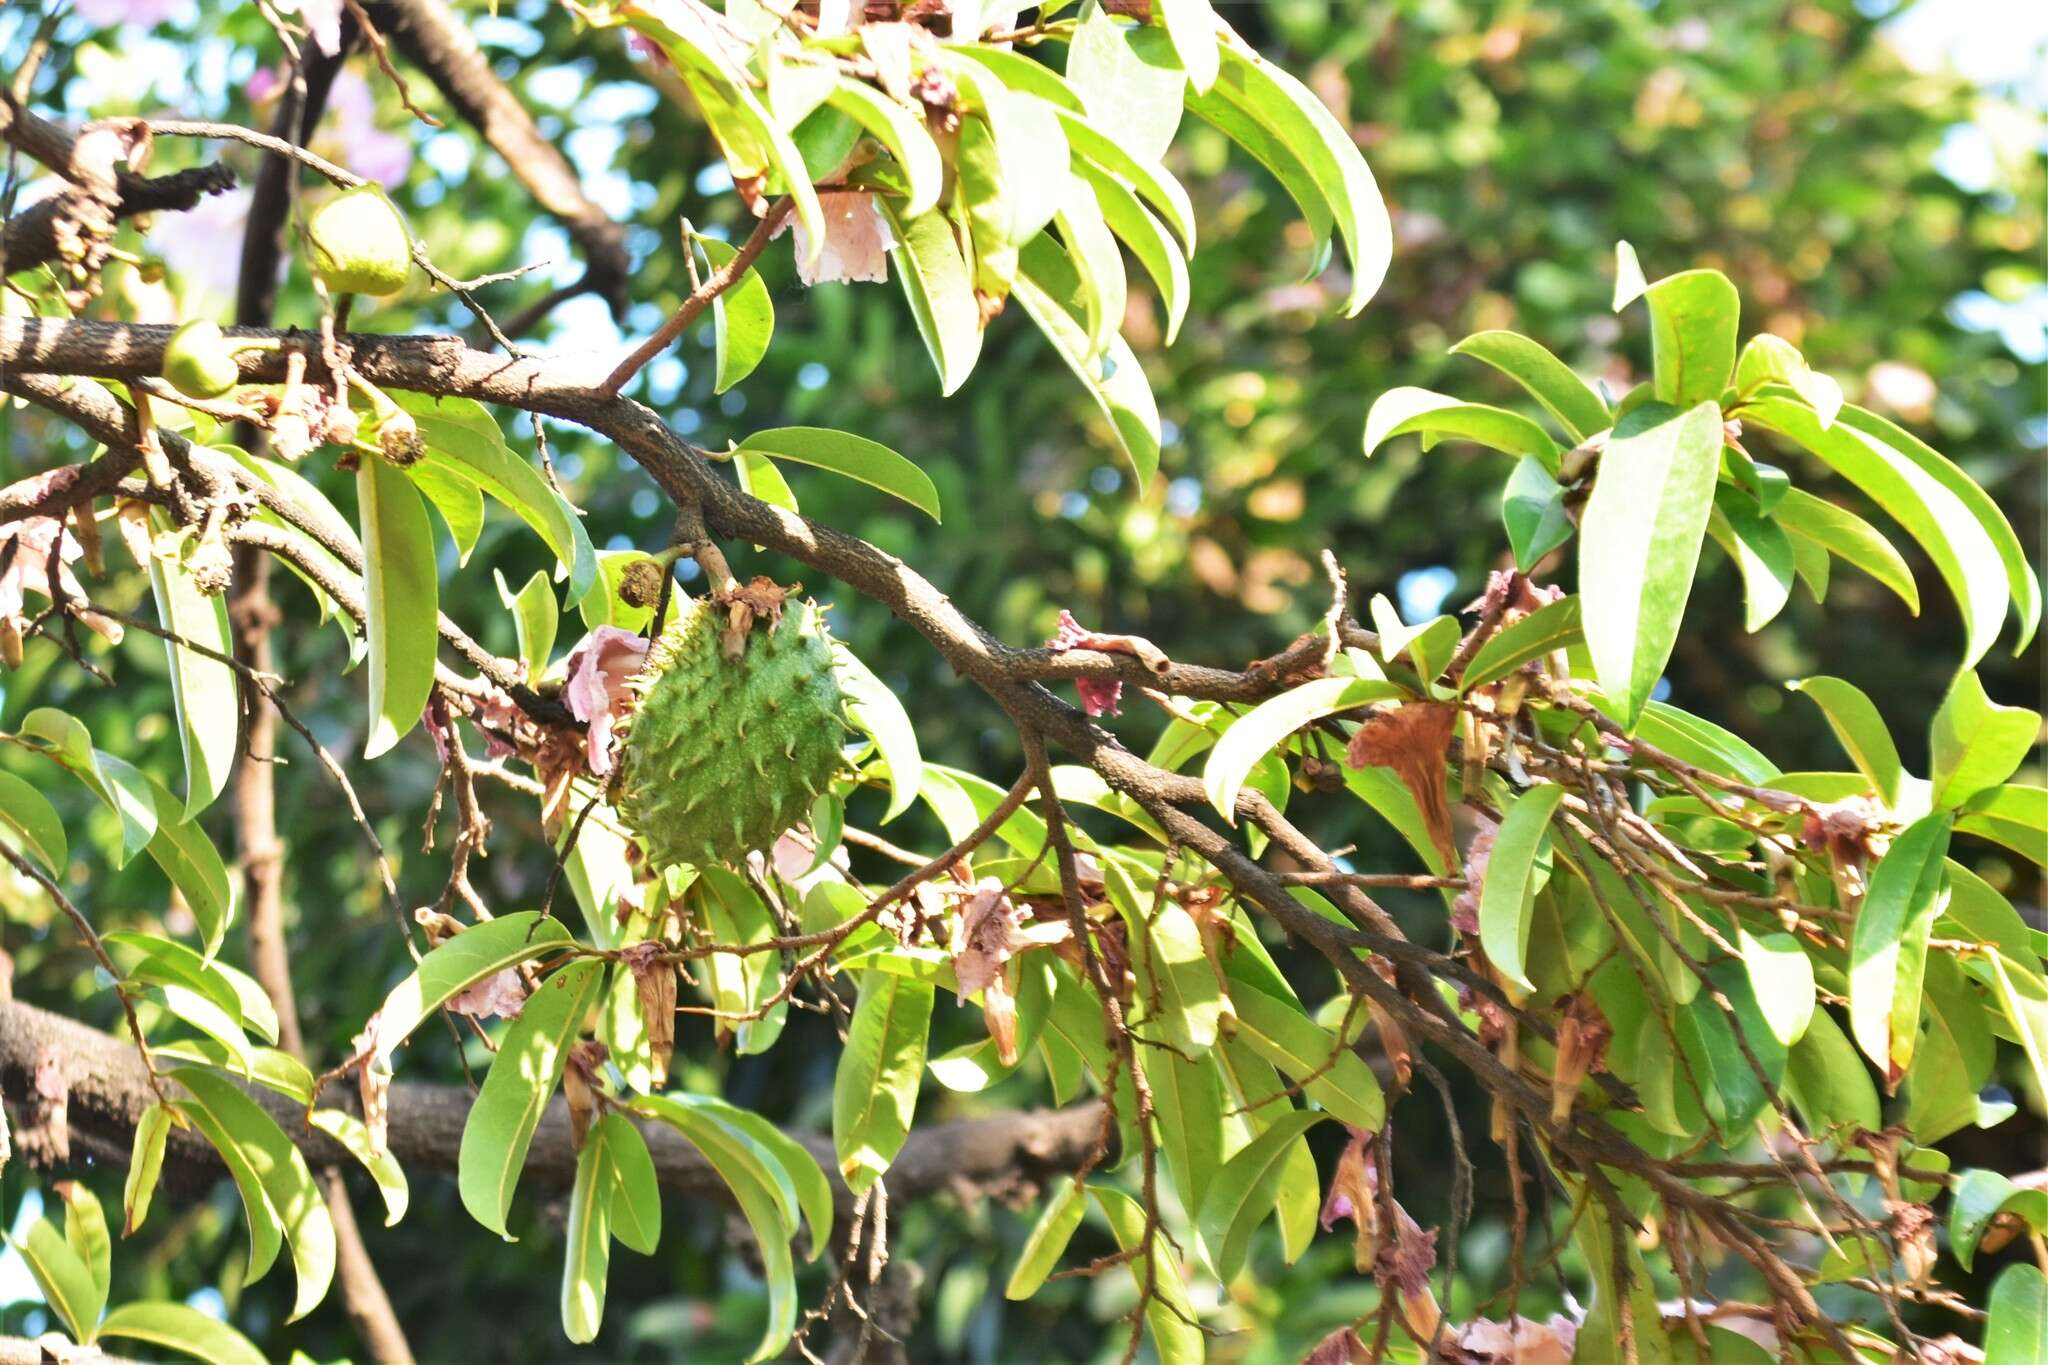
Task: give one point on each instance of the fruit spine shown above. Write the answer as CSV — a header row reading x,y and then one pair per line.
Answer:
x,y
723,754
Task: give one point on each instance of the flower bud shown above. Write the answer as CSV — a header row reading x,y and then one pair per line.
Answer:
x,y
360,243
198,363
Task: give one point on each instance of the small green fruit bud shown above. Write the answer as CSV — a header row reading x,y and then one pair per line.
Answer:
x,y
360,243
198,363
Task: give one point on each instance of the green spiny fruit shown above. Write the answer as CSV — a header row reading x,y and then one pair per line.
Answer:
x,y
724,754
360,243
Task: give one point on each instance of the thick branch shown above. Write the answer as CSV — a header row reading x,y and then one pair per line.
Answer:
x,y
109,1090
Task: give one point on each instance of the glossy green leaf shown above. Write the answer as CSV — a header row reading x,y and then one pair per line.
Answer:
x,y
2016,1333
176,1327
1256,733
1049,290
807,1181
354,1135
1187,1100
1639,542
1147,239
85,1232
1532,508
30,815
145,1164
636,1196
1507,894
1028,151
204,691
1828,1081
1191,25
940,290
1576,405
1437,416
2023,998
1693,319
1862,733
1428,645
1170,1317
1781,979
234,989
266,1066
462,437
854,457
877,712
2015,815
742,317
1977,743
900,130
286,1180
479,951
1888,948
759,477
1956,1054
522,1079
1048,1240
1331,1073
1242,1194
587,1249
732,911
1840,532
1629,283
401,591
65,1281
1098,265
874,1090
1551,627
1762,552
1130,79
536,616
1151,181
266,1230
1769,359
459,502
1982,1195
119,785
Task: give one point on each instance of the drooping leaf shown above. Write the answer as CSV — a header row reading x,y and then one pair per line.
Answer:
x,y
854,457
85,1232
522,1079
118,784
1977,743
64,1280
1049,290
401,592
204,690
192,863
459,502
813,1192
1828,1082
30,815
145,1164
1098,265
940,290
1402,411
1854,719
1576,405
1255,734
1781,979
1130,79
636,1197
1888,949
1331,1073
1838,531
1048,1240
176,1327
1639,542
1170,1317
587,1250
874,1091
2015,815
903,133
1506,896
1094,147
1769,359
536,616
1146,238
1191,25
742,317
266,1230
2016,1333
354,1135
1242,1194
481,950
1762,552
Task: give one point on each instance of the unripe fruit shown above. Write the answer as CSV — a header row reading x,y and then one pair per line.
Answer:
x,y
197,361
360,243
723,755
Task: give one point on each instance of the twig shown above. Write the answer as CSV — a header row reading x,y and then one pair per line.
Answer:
x,y
719,280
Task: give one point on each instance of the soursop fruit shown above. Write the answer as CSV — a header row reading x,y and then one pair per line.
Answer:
x,y
723,754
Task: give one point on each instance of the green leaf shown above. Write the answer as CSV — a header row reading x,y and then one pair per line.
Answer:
x,y
1402,411
1977,743
1762,552
1576,405
1769,359
2023,997
286,1180
1171,1315
522,1079
1242,1194
233,989
1629,283
874,1090
30,815
145,1164
1639,542
1888,949
401,593
760,1187
353,1134
85,1232
759,477
1551,627
1098,265
1781,979
742,317
1289,115
636,1197
1827,1080
2014,815
877,713
855,457
1027,156
1147,239
460,503
1508,893
204,691
806,1178
193,864
1429,646
1913,494
2024,584
940,290
1955,1055
1982,1195
2017,1331
266,1231
463,438
1131,80
479,951
1532,508
1618,1274
1255,734
1097,150
1191,25
1837,530
1331,1073
587,1253
176,1327
1693,320
266,1066
731,911
1048,1240
64,1280
536,616
1049,289
903,133
1854,719
1187,1099
118,784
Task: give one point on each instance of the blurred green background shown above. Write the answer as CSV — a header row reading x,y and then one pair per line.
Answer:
x,y
1875,206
